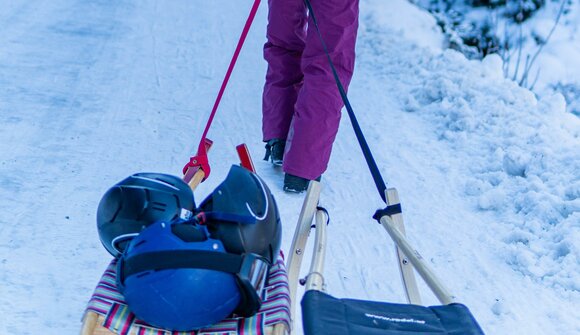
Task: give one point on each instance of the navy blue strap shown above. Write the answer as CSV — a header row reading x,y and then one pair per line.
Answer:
x,y
230,217
377,177
320,208
389,210
179,259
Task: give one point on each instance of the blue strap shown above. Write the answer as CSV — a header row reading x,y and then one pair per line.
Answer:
x,y
377,177
180,259
389,210
230,217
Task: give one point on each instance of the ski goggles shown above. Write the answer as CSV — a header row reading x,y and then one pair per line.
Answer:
x,y
252,278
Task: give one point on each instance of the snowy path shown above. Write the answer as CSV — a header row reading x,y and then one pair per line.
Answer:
x,y
94,91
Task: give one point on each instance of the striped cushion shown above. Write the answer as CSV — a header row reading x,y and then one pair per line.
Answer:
x,y
108,302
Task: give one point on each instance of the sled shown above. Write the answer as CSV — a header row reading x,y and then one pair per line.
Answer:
x,y
322,314
108,314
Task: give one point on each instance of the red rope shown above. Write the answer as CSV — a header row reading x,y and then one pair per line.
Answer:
x,y
201,150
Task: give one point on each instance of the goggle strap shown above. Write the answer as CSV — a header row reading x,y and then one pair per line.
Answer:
x,y
230,217
182,259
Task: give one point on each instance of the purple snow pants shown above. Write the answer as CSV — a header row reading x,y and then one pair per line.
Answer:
x,y
301,102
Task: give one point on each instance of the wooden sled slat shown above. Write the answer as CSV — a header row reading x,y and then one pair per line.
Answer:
x,y
92,326
299,240
405,266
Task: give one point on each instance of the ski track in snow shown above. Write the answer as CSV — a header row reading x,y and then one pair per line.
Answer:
x,y
95,91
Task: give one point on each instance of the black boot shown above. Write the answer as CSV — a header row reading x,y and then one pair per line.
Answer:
x,y
295,184
275,151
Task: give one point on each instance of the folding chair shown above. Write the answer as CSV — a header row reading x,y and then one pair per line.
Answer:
x,y
323,314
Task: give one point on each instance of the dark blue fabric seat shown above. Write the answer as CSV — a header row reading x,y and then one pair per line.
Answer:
x,y
323,314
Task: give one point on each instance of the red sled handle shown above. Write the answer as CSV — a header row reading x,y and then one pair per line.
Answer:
x,y
197,169
245,158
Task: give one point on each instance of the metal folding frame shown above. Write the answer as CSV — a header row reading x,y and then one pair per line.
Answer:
x,y
409,259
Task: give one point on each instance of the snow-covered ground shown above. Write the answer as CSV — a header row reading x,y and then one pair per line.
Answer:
x,y
93,91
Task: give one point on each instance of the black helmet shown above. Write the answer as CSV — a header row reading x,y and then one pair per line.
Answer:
x,y
242,213
138,201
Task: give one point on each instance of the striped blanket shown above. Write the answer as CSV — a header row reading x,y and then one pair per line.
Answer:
x,y
108,302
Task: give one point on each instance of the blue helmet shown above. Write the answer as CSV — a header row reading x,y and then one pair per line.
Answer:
x,y
175,297
186,275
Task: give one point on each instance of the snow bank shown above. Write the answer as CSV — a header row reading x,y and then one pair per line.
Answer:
x,y
522,152
524,160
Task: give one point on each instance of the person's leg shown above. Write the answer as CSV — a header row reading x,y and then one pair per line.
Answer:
x,y
318,106
286,34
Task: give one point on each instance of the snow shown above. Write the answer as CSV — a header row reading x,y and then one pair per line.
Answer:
x,y
488,173
557,62
541,53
